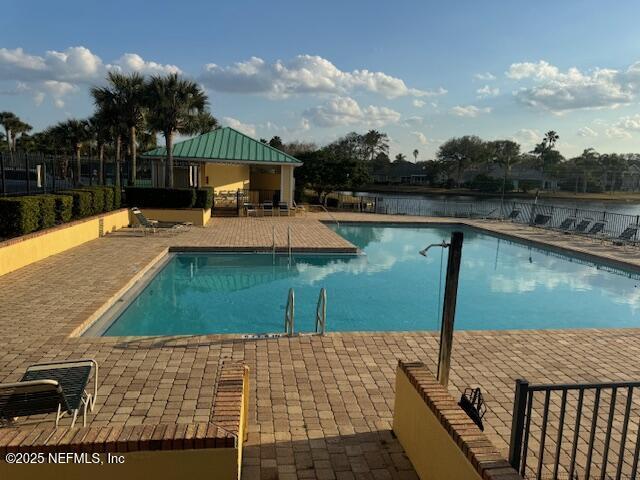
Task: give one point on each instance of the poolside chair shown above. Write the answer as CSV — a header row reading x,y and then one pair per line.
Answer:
x,y
513,215
541,220
283,208
154,226
596,231
566,224
144,223
628,236
299,208
58,387
581,227
250,209
267,207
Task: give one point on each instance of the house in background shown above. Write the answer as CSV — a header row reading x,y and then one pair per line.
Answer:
x,y
406,173
519,175
231,163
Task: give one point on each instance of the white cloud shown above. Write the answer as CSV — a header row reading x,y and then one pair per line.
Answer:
x,y
247,128
469,111
413,121
486,76
303,74
587,132
132,62
487,91
617,132
59,73
418,103
340,111
551,89
422,138
624,127
528,136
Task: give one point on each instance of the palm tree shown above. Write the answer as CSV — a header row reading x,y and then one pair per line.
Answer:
x,y
128,92
19,128
375,142
8,120
543,149
109,111
204,122
75,133
415,155
401,157
102,133
172,104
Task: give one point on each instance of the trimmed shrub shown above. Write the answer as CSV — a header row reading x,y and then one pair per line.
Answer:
x,y
47,211
19,216
204,198
117,197
97,200
82,205
64,208
108,199
161,197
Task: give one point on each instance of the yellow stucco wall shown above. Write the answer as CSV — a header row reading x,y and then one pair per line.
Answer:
x,y
265,181
218,463
198,216
18,254
225,177
432,451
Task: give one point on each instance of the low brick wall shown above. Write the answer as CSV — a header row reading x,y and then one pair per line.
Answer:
x,y
21,251
437,435
163,451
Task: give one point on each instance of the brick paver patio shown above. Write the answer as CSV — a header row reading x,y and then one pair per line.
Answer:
x,y
321,407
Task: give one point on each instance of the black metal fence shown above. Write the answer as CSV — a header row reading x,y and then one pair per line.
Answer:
x,y
575,431
24,173
518,212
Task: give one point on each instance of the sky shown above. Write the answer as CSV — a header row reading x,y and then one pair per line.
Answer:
x,y
421,71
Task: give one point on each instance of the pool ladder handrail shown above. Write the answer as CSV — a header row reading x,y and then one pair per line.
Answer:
x,y
330,214
289,243
289,313
321,312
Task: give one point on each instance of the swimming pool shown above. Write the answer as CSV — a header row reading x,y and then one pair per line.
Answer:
x,y
503,285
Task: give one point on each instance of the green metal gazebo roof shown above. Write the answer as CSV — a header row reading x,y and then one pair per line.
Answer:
x,y
225,145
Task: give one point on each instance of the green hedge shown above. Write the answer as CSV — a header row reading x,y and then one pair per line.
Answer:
x,y
82,203
19,216
97,200
47,211
204,198
64,208
161,197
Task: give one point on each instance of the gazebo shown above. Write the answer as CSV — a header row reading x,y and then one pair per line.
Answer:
x,y
230,162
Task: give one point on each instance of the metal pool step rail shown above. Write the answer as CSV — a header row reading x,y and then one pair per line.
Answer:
x,y
321,313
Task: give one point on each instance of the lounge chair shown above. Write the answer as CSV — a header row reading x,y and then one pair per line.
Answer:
x,y
541,220
267,207
283,208
581,227
154,226
144,223
250,209
566,224
513,215
596,232
628,236
58,387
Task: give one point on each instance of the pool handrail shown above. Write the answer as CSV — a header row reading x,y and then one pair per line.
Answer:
x,y
289,313
321,312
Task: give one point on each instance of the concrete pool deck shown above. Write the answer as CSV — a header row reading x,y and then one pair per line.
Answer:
x,y
319,407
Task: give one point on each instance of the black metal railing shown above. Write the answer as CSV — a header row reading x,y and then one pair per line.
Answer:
x,y
28,173
575,431
518,212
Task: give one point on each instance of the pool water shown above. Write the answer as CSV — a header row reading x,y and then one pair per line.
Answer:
x,y
503,285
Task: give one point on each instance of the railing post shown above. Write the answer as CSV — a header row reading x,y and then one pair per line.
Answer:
x,y
26,168
517,423
238,202
2,177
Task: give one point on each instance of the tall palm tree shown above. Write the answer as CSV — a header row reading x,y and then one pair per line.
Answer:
x,y
172,104
129,100
401,157
75,133
415,155
204,122
8,120
19,128
109,110
375,142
